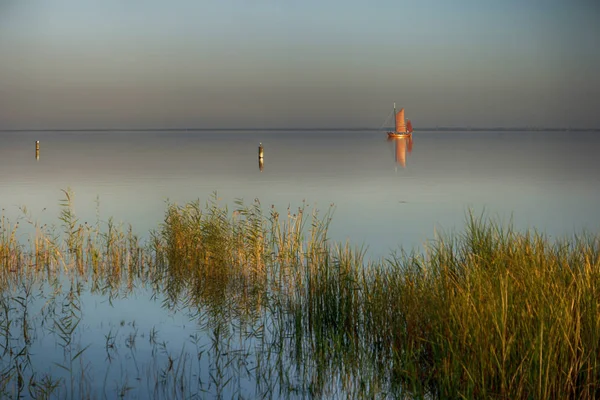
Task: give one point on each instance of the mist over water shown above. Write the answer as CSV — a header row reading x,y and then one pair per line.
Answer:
x,y
238,65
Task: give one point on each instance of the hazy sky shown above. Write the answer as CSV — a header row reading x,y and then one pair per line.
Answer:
x,y
276,63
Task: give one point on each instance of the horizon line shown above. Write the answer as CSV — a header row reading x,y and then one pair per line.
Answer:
x,y
179,129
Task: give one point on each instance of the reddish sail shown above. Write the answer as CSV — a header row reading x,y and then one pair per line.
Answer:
x,y
403,128
400,125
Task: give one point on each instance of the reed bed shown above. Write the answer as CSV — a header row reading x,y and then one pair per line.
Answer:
x,y
488,312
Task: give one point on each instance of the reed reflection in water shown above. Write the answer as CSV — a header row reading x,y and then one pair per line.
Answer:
x,y
264,305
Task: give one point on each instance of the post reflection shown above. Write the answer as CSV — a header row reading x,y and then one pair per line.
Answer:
x,y
260,164
402,145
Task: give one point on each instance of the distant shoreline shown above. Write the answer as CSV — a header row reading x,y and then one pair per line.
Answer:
x,y
441,129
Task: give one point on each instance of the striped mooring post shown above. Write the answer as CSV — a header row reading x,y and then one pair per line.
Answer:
x,y
260,151
37,149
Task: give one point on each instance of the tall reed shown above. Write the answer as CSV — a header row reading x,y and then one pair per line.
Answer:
x,y
487,313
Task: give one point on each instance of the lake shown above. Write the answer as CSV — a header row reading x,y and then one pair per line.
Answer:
x,y
386,194
136,341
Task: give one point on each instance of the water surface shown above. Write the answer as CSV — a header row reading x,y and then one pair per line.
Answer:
x,y
386,193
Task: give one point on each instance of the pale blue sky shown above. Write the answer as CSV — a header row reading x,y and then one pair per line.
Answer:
x,y
134,63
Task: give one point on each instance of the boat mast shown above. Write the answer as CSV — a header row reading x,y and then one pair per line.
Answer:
x,y
394,117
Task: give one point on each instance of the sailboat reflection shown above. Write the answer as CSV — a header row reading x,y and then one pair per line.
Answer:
x,y
401,146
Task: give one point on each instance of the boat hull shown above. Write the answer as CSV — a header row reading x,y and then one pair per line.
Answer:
x,y
398,135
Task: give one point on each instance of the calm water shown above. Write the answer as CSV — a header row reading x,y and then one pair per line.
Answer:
x,y
386,194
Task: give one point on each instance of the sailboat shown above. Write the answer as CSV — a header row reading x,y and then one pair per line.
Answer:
x,y
403,129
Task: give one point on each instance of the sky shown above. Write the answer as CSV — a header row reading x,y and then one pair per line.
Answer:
x,y
298,64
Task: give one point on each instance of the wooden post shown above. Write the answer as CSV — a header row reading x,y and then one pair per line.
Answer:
x,y
37,149
260,151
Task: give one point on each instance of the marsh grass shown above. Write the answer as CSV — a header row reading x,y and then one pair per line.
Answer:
x,y
488,312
